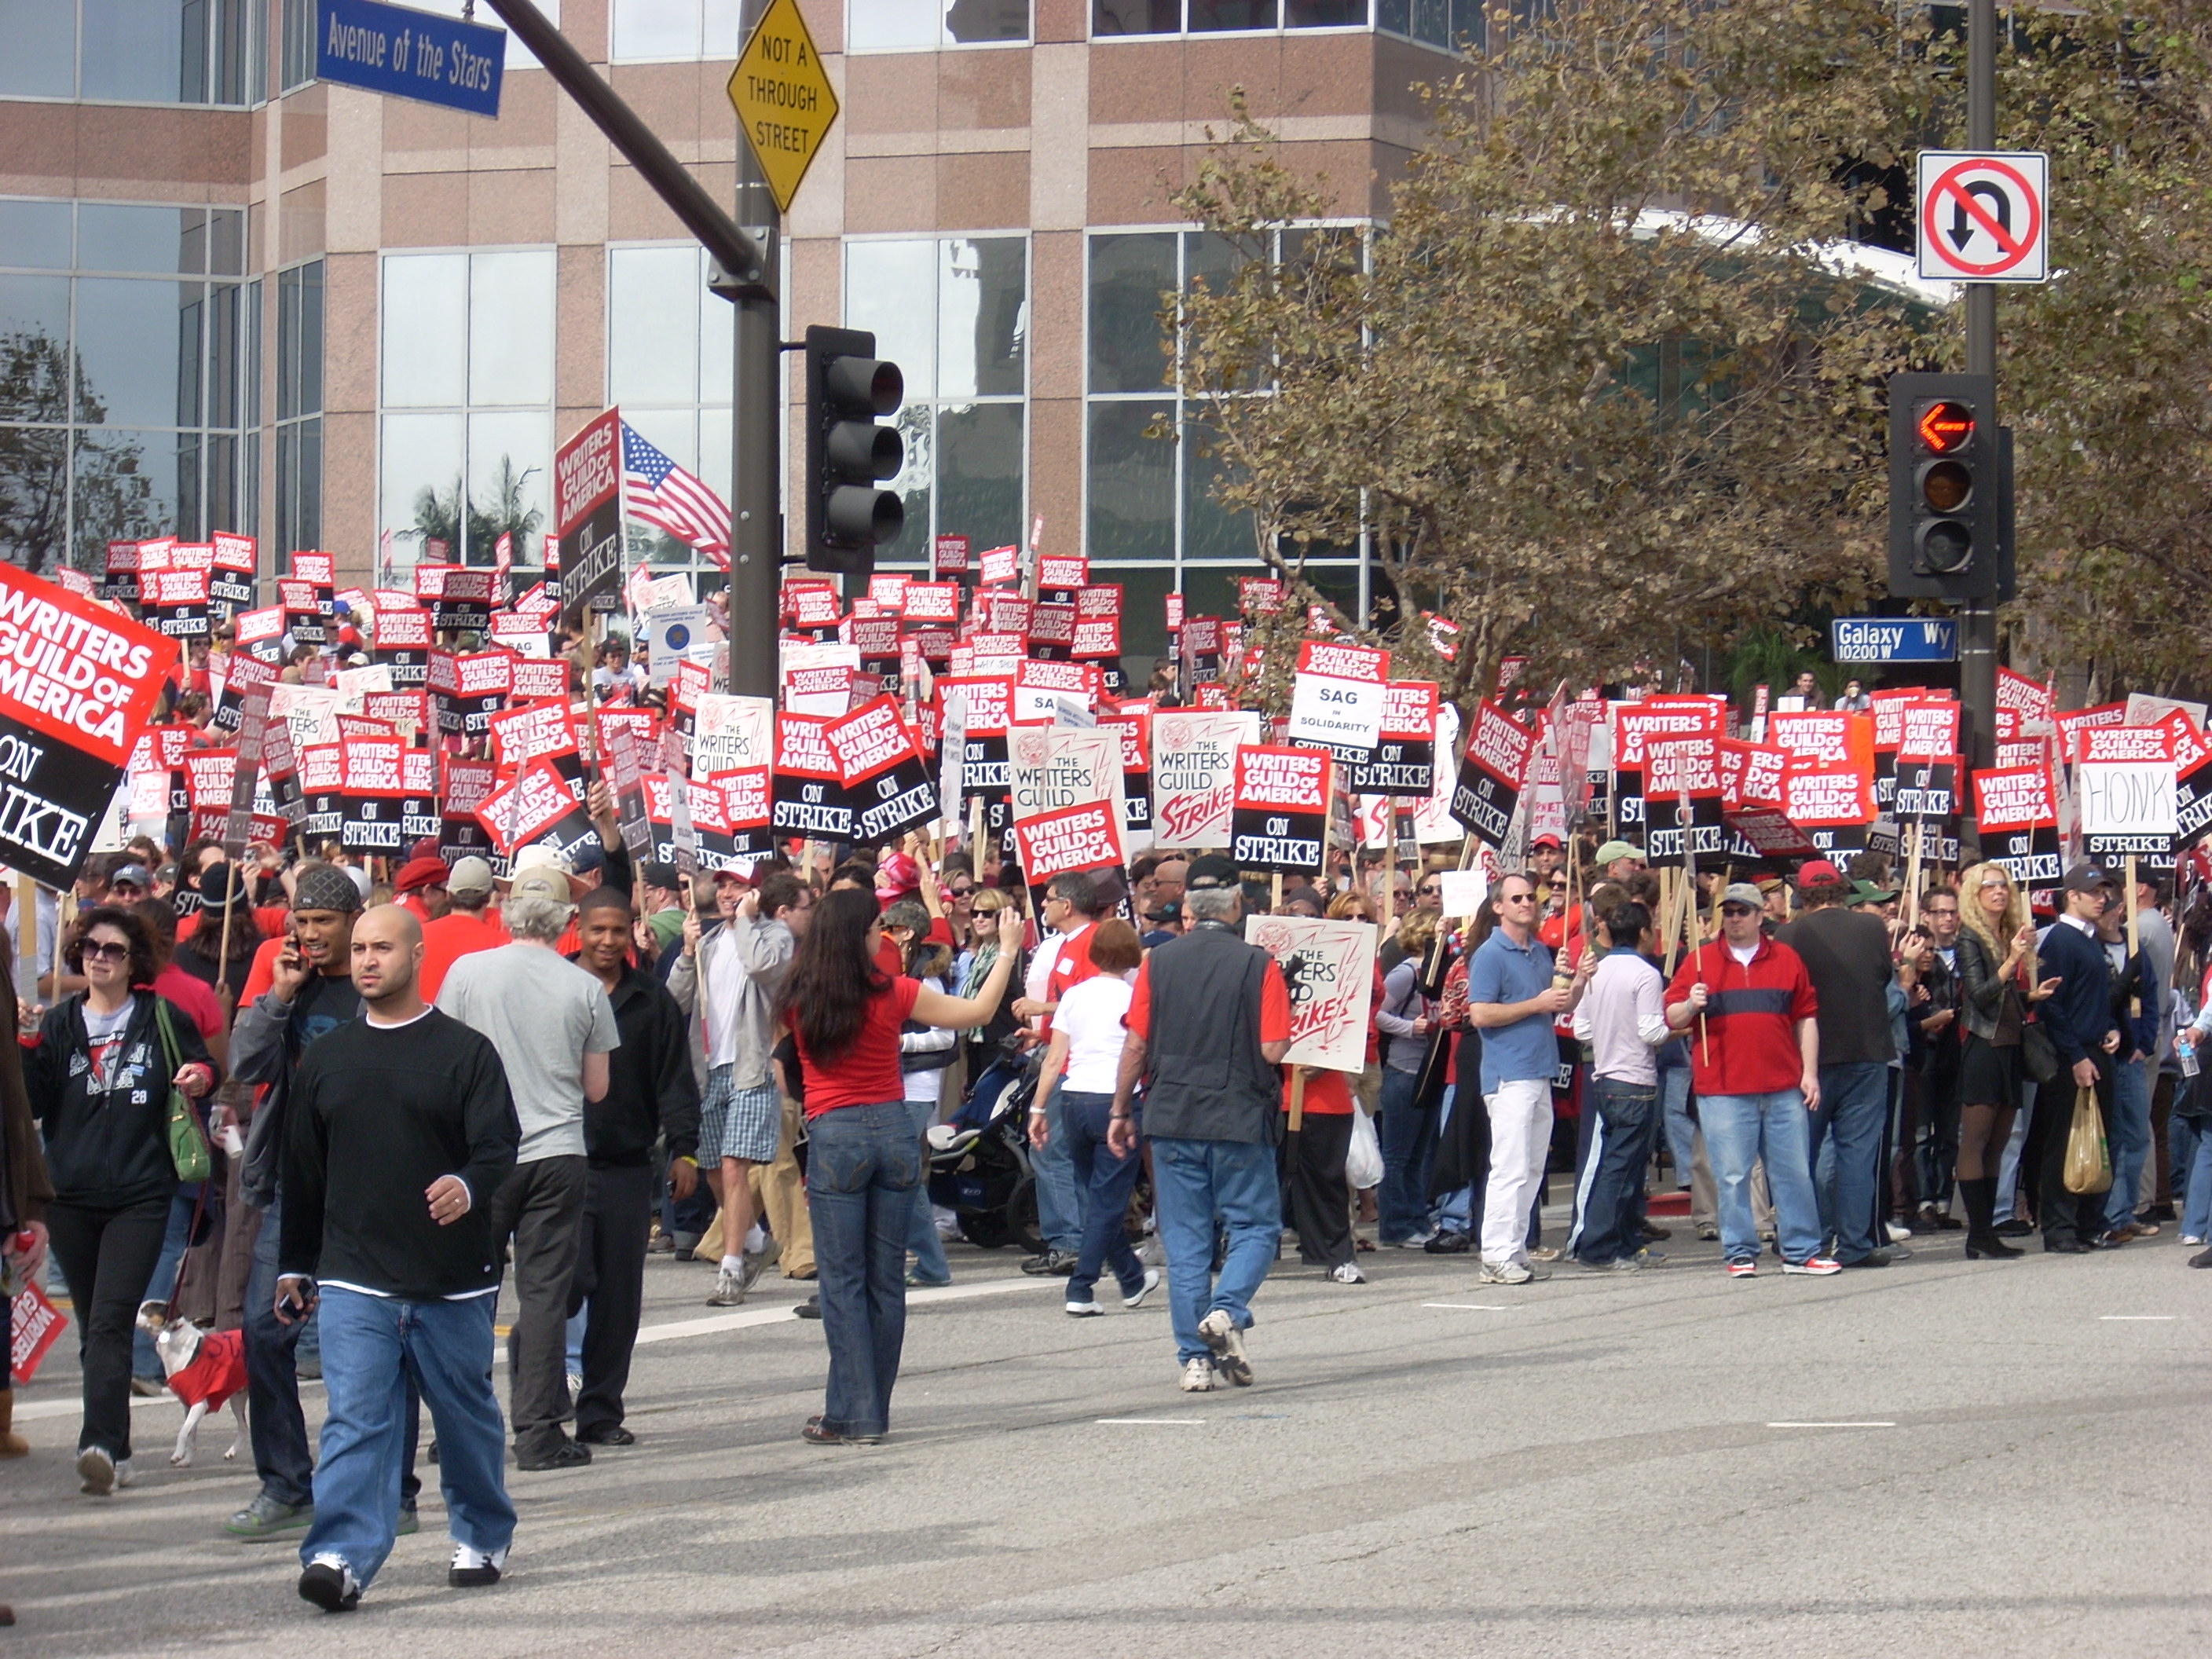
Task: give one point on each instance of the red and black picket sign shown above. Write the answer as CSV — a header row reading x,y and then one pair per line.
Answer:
x,y
1403,765
887,783
1491,768
809,794
1280,819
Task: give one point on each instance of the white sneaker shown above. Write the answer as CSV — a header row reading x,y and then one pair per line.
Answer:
x,y
1504,1272
575,1387
1151,1283
729,1289
101,1474
1198,1377
2190,1239
750,1265
329,1582
473,1569
1220,1334
1419,1241
1897,1235
1344,1273
1085,1310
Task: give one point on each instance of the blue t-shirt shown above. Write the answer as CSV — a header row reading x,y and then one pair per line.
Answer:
x,y
1502,971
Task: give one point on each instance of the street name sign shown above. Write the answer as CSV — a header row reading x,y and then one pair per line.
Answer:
x,y
1893,638
406,53
1984,217
783,99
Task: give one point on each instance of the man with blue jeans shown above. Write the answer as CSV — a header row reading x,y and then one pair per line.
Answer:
x,y
2136,1001
402,1126
1209,1020
1847,954
1747,1005
1624,1020
1071,903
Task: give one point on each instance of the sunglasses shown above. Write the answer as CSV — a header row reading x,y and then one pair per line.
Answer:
x,y
1737,910
1427,888
1517,898
105,951
963,892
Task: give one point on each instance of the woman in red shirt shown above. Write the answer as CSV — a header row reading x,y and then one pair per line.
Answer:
x,y
864,1158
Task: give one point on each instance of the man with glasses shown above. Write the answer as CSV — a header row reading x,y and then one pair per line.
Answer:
x,y
1512,998
1069,904
1747,1005
2079,1017
1617,861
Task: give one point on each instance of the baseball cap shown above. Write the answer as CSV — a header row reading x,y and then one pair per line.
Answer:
x,y
540,881
135,875
1819,872
1617,849
1742,892
1865,892
1547,839
2083,878
1214,869
539,856
417,873
471,875
1771,884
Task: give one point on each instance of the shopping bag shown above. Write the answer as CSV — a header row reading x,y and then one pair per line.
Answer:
x,y
2088,1160
1363,1158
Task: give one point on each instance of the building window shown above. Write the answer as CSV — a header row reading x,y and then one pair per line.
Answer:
x,y
300,407
296,59
1445,24
672,355
129,359
1151,520
675,31
953,313
465,421
133,51
929,25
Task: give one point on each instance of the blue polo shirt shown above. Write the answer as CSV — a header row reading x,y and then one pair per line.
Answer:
x,y
1502,971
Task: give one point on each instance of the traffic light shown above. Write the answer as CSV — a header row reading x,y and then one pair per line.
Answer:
x,y
849,454
1947,487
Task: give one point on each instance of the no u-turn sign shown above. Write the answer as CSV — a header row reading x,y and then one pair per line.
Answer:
x,y
1984,217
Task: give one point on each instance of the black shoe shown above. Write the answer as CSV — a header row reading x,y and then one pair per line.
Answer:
x,y
474,1568
1872,1259
2202,1259
2014,1228
1991,1246
1050,1264
2108,1241
563,1453
810,1309
613,1435
1656,1233
330,1585
2157,1212
430,1454
2064,1245
1449,1244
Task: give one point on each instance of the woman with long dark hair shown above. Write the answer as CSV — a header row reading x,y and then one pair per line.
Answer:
x,y
99,1078
864,1156
1996,984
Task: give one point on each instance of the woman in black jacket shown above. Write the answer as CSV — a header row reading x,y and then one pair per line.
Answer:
x,y
99,1081
1996,962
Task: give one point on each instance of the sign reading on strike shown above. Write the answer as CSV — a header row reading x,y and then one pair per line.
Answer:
x,y
587,515
1280,819
783,99
1984,218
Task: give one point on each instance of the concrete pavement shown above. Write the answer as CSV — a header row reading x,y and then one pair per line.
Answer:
x,y
1653,1464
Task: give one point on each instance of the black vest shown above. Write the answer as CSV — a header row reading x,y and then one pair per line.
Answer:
x,y
1206,1078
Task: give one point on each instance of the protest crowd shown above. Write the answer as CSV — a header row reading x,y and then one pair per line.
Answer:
x,y
424,942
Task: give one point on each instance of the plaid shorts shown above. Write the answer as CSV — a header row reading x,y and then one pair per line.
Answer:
x,y
739,1122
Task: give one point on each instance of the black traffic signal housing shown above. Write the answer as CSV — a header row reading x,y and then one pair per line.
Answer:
x,y
1948,531
849,453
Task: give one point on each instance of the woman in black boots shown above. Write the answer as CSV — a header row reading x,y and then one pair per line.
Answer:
x,y
1996,984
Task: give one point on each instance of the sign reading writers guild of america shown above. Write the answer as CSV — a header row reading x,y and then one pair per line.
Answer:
x,y
783,99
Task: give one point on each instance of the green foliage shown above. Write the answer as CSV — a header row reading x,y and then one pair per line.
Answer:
x,y
438,516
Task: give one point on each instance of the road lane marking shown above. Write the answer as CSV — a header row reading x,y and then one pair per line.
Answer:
x,y
2128,1317
1150,1422
1472,1307
1831,1426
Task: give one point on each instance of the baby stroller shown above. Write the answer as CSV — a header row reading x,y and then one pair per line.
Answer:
x,y
979,1160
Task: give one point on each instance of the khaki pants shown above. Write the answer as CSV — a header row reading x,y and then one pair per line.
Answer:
x,y
780,1193
1705,1197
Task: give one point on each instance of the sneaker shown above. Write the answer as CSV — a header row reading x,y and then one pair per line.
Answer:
x,y
566,1454
1747,1268
147,1388
1506,1272
810,1309
1218,1330
409,1523
1543,1253
1419,1241
916,1281
1709,1234
1085,1309
575,1387
267,1516
1818,1266
1344,1273
474,1568
751,1264
729,1290
1151,1283
1656,1233
1197,1376
2192,1240
1897,1235
101,1474
330,1585
1448,1242
1050,1264
2202,1259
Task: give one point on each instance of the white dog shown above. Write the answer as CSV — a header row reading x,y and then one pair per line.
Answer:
x,y
206,1369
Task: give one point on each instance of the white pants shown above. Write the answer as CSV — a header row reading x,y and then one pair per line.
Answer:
x,y
1520,1142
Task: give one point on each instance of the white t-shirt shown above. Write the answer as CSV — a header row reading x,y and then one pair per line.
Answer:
x,y
1090,1016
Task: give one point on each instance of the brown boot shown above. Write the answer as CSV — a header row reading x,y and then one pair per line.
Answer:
x,y
7,1614
11,1444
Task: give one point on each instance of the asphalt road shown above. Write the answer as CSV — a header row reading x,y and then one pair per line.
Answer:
x,y
1941,1457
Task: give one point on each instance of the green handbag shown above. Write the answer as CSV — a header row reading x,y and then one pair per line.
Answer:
x,y
188,1142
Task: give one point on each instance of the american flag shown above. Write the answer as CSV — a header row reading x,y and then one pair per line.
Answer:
x,y
666,496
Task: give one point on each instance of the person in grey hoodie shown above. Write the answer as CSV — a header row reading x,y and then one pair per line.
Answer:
x,y
744,957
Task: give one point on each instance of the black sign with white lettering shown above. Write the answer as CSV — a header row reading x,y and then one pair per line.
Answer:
x,y
51,796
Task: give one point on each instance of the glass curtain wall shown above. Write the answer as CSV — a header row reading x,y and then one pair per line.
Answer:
x,y
133,51
671,358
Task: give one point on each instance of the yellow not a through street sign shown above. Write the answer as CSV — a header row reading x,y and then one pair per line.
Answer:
x,y
783,100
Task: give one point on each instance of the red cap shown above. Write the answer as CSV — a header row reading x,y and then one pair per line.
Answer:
x,y
1819,872
417,873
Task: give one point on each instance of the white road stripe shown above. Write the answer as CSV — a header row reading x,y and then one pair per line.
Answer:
x,y
1150,1422
1472,1306
2129,1317
1831,1426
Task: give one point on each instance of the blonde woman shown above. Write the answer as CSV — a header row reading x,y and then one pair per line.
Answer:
x,y
1997,987
994,923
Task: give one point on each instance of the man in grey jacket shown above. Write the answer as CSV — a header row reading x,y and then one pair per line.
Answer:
x,y
744,958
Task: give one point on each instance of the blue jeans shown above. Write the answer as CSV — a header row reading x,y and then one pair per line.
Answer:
x,y
273,1419
1624,1118
372,1345
1682,1127
2191,1140
1739,1130
1192,1181
1105,1182
1408,1137
145,1360
1059,1200
2129,1132
1454,1212
1845,1154
928,1248
863,1164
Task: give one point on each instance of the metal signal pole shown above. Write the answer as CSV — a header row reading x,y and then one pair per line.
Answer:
x,y
1978,620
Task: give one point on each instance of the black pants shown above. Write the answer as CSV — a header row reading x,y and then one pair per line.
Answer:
x,y
611,1276
108,1256
1312,1163
2062,1214
542,1206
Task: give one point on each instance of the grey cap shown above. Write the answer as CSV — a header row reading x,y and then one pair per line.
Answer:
x,y
1742,892
471,875
135,874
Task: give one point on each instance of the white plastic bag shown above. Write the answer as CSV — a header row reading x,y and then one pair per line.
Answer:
x,y
1363,1158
